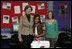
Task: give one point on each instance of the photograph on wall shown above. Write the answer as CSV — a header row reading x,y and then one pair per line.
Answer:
x,y
62,12
33,7
15,20
6,5
17,9
15,27
42,17
5,18
41,6
23,13
23,5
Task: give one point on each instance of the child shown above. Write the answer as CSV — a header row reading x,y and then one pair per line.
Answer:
x,y
38,28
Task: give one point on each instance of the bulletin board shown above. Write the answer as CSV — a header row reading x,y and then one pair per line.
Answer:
x,y
11,12
62,10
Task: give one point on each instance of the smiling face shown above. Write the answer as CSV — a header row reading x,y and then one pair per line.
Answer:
x,y
50,15
36,19
28,11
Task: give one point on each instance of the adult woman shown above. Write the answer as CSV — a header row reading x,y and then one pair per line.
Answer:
x,y
25,34
51,27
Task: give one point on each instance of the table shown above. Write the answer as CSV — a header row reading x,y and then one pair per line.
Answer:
x,y
38,44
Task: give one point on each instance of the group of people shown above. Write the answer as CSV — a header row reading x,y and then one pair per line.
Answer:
x,y
30,27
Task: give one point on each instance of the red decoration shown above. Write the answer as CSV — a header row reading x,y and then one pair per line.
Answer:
x,y
12,13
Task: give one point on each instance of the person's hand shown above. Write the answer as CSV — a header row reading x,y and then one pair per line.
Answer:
x,y
36,35
33,34
20,39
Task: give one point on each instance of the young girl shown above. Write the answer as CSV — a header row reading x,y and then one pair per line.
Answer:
x,y
38,28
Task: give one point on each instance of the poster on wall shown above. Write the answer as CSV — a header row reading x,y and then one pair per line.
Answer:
x,y
13,12
15,27
6,18
62,12
15,20
23,5
41,6
17,9
42,17
6,5
23,13
33,7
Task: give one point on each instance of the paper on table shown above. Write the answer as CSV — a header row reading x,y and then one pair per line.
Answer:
x,y
38,44
35,44
46,44
17,9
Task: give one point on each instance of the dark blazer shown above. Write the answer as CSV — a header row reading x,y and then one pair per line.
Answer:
x,y
39,29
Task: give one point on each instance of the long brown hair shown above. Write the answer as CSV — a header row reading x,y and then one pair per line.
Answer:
x,y
52,14
36,15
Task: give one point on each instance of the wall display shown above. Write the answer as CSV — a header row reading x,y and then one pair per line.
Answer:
x,y
23,5
6,5
34,7
42,17
15,20
62,12
17,9
15,27
41,6
5,18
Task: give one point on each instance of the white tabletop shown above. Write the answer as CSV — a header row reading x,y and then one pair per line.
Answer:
x,y
38,44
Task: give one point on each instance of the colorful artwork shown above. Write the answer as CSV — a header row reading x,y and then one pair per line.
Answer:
x,y
15,20
42,17
41,6
6,5
6,19
15,27
62,12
